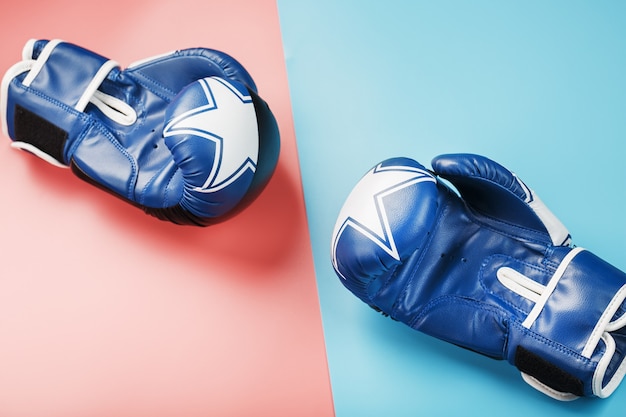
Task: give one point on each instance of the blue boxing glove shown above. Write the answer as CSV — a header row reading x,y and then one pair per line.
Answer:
x,y
184,136
486,266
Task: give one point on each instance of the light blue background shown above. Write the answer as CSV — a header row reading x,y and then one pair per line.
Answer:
x,y
536,85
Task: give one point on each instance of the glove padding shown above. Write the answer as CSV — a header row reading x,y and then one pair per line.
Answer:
x,y
184,136
486,266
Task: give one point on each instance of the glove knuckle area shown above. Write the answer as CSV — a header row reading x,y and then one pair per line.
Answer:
x,y
224,141
388,216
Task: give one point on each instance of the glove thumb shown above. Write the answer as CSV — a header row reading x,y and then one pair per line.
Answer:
x,y
492,190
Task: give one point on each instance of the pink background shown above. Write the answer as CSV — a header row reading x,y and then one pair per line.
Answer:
x,y
105,311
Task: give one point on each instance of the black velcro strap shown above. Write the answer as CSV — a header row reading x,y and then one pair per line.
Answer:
x,y
547,373
37,131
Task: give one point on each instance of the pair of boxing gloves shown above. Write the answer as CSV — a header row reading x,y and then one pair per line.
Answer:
x,y
464,251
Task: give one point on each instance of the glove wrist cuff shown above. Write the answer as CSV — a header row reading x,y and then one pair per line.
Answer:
x,y
583,347
59,80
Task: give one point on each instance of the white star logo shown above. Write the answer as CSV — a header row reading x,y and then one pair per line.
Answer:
x,y
228,119
365,211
